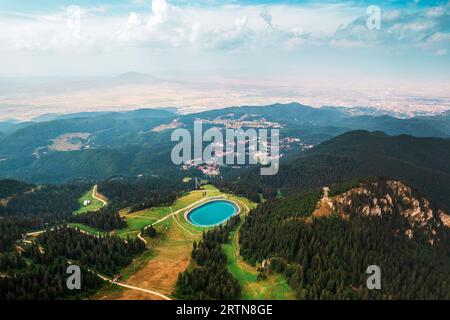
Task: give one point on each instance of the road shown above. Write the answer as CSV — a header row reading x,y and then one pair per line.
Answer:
x,y
36,233
97,196
173,214
124,285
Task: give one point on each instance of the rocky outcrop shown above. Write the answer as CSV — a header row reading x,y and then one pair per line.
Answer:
x,y
390,197
445,218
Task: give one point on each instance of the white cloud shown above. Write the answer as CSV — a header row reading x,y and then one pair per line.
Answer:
x,y
402,28
167,25
74,16
221,27
441,52
165,32
267,17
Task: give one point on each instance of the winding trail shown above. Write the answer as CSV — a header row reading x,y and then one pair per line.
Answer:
x,y
95,195
124,285
185,229
36,233
173,214
141,238
98,196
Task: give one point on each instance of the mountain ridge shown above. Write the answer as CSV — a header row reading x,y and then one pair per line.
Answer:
x,y
421,162
326,257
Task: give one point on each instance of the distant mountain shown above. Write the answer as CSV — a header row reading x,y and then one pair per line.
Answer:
x,y
419,127
153,112
9,188
424,163
104,146
56,116
333,120
107,128
29,150
291,113
95,164
363,111
446,114
136,77
7,127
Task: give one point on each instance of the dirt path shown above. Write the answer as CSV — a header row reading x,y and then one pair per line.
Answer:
x,y
124,285
240,262
95,195
186,230
172,256
174,215
98,196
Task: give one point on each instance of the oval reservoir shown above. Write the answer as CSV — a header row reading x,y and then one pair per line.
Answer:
x,y
212,213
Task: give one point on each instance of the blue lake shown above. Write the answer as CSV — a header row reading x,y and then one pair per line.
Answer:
x,y
212,213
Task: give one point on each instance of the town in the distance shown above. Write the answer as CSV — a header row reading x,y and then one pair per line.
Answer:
x,y
100,191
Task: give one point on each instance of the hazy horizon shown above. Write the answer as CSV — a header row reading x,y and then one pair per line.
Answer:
x,y
66,56
24,99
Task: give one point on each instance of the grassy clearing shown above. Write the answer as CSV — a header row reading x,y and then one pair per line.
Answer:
x,y
108,292
159,267
212,191
187,199
137,264
94,206
136,221
274,287
87,229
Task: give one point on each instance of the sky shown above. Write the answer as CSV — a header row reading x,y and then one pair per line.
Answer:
x,y
250,37
317,42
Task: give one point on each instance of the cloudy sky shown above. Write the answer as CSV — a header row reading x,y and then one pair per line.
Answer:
x,y
316,41
252,37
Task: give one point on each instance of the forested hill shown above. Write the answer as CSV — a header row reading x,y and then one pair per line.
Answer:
x,y
324,247
9,188
97,146
424,163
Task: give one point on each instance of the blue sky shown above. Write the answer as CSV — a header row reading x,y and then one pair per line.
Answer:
x,y
43,5
255,38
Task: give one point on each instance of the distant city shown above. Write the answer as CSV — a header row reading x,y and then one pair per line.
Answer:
x,y
22,99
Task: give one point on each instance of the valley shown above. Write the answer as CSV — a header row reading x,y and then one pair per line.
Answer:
x,y
228,159
169,253
134,143
290,239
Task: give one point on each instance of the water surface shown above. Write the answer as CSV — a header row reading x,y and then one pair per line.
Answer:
x,y
212,213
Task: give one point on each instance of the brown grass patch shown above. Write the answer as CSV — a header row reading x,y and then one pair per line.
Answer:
x,y
69,141
323,211
172,256
130,294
